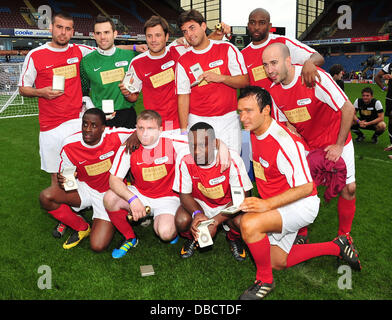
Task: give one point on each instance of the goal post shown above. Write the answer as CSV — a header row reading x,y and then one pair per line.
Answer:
x,y
12,104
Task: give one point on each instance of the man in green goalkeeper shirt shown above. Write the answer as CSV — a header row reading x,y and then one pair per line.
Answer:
x,y
102,73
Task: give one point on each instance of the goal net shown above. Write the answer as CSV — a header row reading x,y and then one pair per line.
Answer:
x,y
12,104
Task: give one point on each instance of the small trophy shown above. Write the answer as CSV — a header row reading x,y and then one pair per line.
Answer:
x,y
128,82
70,181
204,234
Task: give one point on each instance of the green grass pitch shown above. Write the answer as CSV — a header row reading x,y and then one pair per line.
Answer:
x,y
26,243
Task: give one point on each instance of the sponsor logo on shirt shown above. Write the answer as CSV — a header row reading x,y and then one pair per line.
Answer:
x,y
216,63
218,180
263,162
106,155
121,63
303,102
167,65
73,60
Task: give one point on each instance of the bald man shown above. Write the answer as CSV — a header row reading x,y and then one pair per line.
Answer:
x,y
259,27
322,115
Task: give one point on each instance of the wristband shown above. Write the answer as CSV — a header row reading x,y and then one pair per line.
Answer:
x,y
184,133
194,213
384,88
134,47
357,120
133,198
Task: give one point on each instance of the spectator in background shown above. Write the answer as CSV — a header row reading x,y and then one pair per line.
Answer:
x,y
337,72
382,79
370,116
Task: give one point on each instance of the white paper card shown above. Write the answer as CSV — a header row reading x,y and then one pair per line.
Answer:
x,y
58,83
108,106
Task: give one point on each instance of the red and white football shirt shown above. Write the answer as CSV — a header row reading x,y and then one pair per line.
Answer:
x,y
38,69
210,99
279,161
314,112
153,167
155,78
93,162
207,183
253,56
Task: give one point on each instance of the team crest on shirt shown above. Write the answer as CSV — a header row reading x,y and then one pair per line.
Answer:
x,y
106,155
216,181
121,63
216,63
263,162
73,60
161,160
303,102
167,65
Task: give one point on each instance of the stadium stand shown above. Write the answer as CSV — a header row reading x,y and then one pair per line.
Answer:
x,y
129,14
369,18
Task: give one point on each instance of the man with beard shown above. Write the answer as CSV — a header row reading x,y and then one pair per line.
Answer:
x,y
259,26
207,77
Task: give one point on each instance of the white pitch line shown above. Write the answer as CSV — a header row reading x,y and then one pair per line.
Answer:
x,y
373,159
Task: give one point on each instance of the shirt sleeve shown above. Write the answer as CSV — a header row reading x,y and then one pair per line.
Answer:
x,y
183,84
292,163
236,62
64,161
85,49
238,173
182,180
379,107
137,83
299,52
124,133
329,92
121,163
28,73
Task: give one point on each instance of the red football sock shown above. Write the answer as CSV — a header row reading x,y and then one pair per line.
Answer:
x,y
233,235
65,215
346,212
302,252
119,220
261,254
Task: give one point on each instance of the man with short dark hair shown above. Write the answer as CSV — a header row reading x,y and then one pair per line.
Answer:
x,y
370,116
383,79
288,198
154,73
205,191
337,72
259,26
103,71
207,77
91,151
